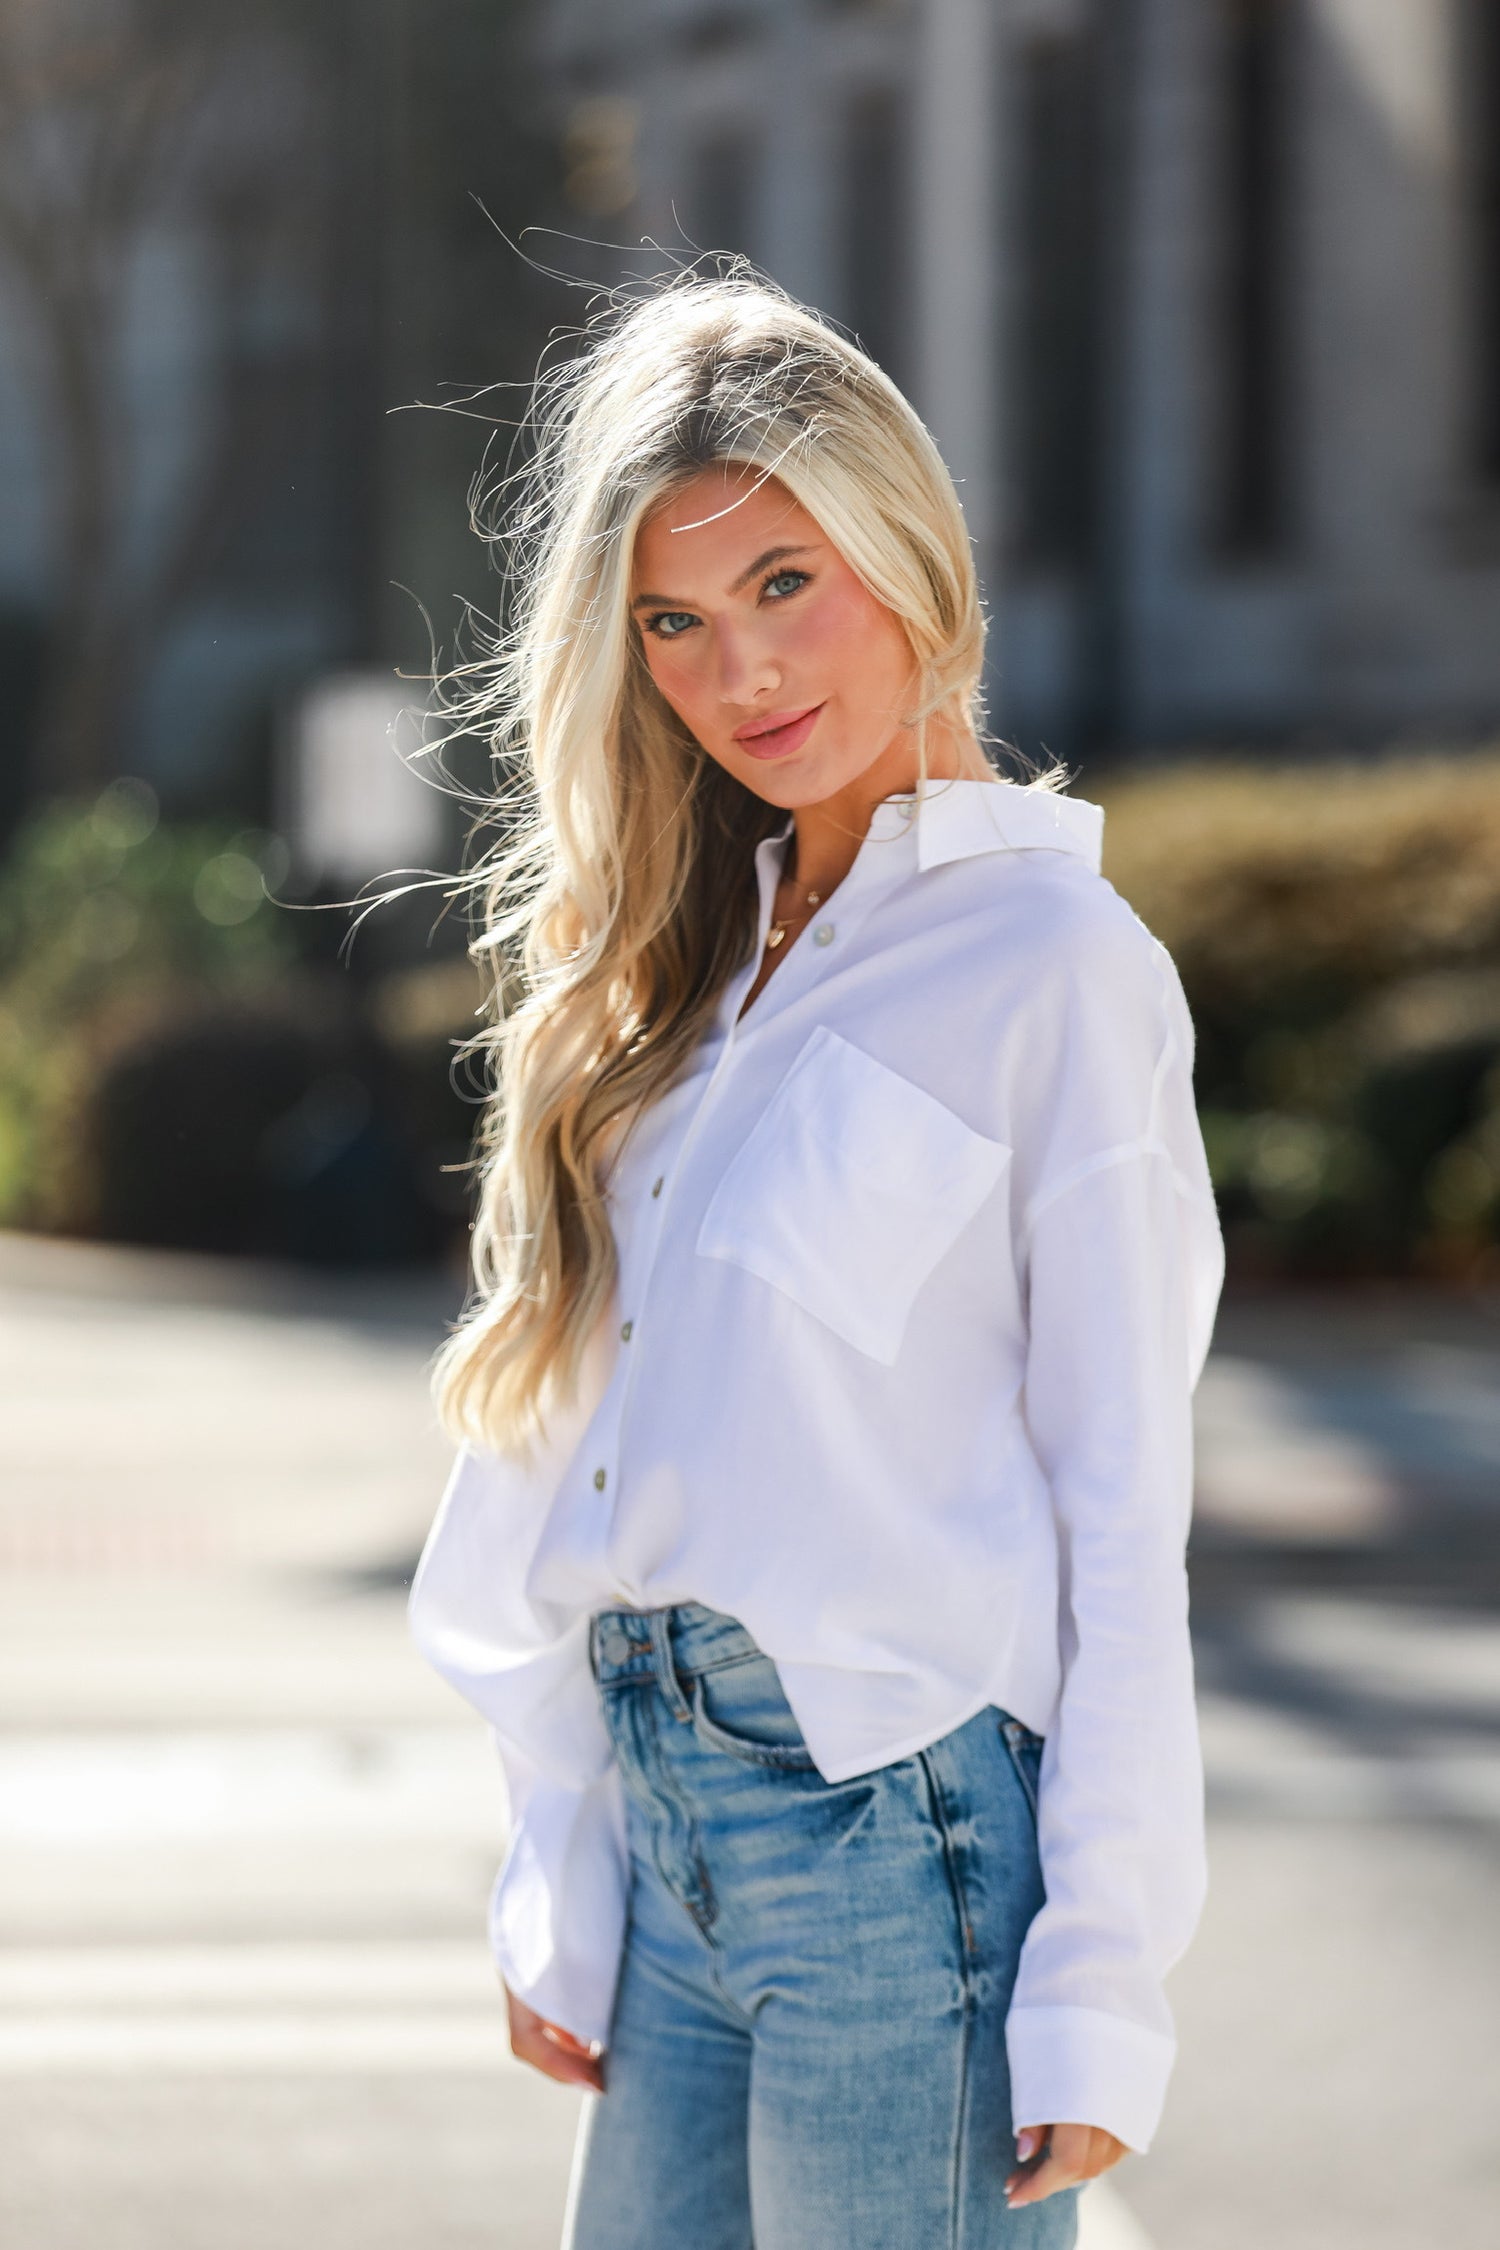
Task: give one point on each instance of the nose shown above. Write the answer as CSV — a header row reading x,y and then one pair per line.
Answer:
x,y
747,668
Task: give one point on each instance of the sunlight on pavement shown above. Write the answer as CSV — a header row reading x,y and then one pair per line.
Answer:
x,y
246,1839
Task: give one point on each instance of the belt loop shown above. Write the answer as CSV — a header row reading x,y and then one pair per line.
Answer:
x,y
659,1622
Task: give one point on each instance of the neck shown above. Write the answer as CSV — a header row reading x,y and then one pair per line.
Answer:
x,y
828,835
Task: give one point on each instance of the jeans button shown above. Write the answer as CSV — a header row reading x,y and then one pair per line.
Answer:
x,y
614,1641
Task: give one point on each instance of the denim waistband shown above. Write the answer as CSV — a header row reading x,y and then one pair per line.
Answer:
x,y
682,1639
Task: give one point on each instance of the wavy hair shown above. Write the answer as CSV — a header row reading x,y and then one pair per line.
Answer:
x,y
623,898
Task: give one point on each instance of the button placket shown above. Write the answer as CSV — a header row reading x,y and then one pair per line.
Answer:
x,y
661,1191
662,1200
870,879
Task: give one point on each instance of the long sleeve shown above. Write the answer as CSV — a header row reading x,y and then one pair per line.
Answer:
x,y
557,1908
1125,1265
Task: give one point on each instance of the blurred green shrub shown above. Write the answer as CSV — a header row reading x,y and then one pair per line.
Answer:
x,y
182,1064
1337,929
173,1067
108,919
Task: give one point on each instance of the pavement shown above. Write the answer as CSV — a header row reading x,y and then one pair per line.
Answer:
x,y
246,1836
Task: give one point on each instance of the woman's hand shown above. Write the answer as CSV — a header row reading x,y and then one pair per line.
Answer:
x,y
1077,2153
550,2049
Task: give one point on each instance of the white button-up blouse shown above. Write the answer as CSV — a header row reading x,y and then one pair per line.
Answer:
x,y
917,1269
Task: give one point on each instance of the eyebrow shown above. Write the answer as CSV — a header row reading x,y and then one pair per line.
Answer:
x,y
751,570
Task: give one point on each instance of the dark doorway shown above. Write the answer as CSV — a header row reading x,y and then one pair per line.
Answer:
x,y
1056,373
1252,513
877,251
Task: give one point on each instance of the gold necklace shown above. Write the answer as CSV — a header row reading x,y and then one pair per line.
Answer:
x,y
778,930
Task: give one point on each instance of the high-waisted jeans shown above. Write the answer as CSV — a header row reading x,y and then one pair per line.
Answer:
x,y
808,2043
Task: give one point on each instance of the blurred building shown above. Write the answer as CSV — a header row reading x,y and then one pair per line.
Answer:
x,y
241,246
187,360
1202,298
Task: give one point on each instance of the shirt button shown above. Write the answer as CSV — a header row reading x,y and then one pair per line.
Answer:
x,y
658,1185
627,1331
598,1480
823,934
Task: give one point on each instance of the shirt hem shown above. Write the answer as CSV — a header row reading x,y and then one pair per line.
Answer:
x,y
906,1747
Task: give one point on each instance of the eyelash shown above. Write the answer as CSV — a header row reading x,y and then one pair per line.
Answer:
x,y
653,623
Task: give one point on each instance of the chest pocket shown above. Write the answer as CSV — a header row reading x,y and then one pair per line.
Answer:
x,y
851,1186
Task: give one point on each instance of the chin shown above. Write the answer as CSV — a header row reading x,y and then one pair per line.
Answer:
x,y
793,785
783,791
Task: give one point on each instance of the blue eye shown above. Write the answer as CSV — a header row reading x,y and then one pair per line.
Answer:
x,y
667,624
671,624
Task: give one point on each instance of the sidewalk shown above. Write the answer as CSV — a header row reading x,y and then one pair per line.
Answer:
x,y
245,1837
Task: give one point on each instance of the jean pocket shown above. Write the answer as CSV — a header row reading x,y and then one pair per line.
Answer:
x,y
741,1709
1025,1754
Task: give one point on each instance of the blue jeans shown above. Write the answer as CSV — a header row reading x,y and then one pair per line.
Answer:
x,y
808,2043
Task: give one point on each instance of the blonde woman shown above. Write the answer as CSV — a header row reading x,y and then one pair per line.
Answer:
x,y
846,1260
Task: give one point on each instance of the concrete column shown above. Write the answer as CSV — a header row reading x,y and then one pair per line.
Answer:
x,y
956,377
796,216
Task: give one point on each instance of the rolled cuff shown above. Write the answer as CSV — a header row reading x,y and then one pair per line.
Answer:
x,y
558,1907
1081,2066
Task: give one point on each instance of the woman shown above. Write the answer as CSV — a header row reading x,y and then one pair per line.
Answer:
x,y
846,1261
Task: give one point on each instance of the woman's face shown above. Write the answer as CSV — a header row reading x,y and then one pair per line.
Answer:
x,y
765,643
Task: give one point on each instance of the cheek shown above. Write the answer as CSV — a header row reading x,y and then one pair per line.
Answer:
x,y
678,679
857,646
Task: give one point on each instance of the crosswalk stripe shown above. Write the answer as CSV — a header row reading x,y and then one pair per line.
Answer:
x,y
77,2045
434,1971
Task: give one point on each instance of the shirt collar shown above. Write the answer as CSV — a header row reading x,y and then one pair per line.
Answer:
x,y
958,819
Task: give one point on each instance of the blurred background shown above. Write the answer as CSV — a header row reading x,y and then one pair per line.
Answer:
x,y
1202,300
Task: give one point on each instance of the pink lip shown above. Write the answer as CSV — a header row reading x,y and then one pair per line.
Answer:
x,y
779,733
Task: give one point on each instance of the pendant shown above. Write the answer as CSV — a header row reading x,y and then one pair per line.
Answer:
x,y
776,936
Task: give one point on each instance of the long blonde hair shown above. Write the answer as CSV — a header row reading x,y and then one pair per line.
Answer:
x,y
623,897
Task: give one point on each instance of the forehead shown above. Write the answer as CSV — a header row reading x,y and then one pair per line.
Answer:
x,y
726,515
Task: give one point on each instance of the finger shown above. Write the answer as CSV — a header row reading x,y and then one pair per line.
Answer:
x,y
1094,2148
1077,2153
1032,2147
1064,2163
524,2019
560,2063
566,2039
1035,2186
551,2048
